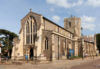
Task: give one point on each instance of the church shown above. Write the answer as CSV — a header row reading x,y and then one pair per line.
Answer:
x,y
43,39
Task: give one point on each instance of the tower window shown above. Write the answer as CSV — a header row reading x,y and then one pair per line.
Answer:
x,y
69,24
46,43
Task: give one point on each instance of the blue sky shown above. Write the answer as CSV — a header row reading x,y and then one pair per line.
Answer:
x,y
12,11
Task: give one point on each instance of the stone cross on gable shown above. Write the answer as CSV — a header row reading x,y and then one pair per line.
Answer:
x,y
30,10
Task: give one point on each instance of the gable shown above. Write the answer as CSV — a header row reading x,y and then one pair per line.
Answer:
x,y
36,16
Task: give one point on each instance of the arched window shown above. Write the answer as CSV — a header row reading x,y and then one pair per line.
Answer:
x,y
34,24
69,24
27,33
31,30
46,43
27,39
31,23
27,27
35,27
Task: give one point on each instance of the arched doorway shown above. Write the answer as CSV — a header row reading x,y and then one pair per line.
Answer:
x,y
31,54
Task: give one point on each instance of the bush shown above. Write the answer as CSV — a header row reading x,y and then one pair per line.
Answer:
x,y
75,57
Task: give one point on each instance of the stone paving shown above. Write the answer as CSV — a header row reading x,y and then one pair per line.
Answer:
x,y
57,64
90,65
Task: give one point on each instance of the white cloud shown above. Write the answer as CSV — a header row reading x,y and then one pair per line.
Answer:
x,y
56,19
88,19
95,3
88,26
64,3
88,23
52,9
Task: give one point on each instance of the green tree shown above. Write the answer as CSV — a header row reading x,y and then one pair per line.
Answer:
x,y
6,39
98,41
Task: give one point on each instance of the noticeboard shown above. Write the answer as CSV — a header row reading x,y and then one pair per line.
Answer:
x,y
71,52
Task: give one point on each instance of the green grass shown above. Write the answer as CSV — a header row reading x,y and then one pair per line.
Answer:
x,y
75,57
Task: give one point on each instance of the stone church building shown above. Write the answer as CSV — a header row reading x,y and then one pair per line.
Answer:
x,y
43,39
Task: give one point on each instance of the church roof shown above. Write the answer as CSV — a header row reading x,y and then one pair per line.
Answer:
x,y
30,13
57,24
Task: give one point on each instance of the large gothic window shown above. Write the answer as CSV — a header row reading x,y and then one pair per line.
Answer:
x,y
27,27
31,29
35,27
27,33
31,23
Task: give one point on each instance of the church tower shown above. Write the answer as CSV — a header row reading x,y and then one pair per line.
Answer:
x,y
73,24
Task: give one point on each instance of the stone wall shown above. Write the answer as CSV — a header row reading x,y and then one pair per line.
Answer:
x,y
47,52
60,39
74,25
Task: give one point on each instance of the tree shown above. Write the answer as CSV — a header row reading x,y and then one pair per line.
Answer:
x,y
98,41
6,39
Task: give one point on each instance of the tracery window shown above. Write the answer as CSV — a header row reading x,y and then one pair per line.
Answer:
x,y
27,33
27,27
31,29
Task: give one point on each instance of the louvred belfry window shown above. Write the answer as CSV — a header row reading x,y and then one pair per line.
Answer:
x,y
46,43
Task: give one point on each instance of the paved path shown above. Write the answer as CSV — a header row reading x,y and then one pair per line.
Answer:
x,y
89,65
61,64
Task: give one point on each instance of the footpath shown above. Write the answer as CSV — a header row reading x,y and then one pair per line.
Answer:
x,y
56,64
67,64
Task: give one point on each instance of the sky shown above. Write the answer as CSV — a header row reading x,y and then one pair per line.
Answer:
x,y
12,11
